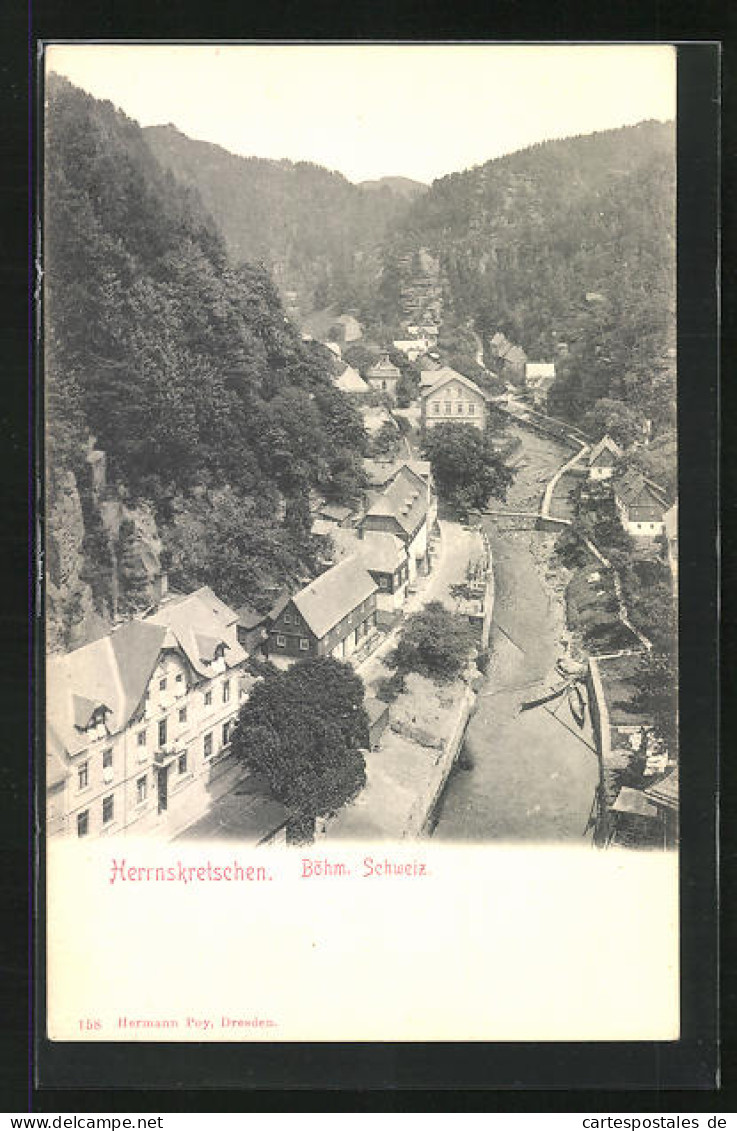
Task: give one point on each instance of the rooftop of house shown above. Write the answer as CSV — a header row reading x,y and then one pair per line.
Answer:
x,y
380,552
405,499
198,623
333,595
349,380
108,678
443,376
249,813
380,472
665,791
537,369
249,618
634,489
515,355
634,802
375,708
335,511
322,527
605,444
109,675
383,368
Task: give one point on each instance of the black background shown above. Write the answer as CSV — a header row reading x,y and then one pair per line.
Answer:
x,y
524,1077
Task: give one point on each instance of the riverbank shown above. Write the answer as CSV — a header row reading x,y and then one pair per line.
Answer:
x,y
534,774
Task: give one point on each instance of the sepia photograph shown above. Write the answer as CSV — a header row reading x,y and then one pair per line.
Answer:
x,y
361,518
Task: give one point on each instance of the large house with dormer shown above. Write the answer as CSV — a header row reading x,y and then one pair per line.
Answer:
x,y
451,398
402,510
139,721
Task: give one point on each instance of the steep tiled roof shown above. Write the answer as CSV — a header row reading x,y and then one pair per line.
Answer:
x,y
334,595
633,489
351,381
606,444
665,791
113,672
381,552
405,499
383,368
443,376
195,621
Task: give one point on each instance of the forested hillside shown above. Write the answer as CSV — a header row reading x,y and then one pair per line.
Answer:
x,y
186,371
310,226
568,248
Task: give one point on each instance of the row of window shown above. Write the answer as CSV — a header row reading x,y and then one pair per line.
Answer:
x,y
83,770
449,408
304,644
108,803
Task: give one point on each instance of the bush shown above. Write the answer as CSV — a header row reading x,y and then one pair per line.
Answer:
x,y
390,688
435,643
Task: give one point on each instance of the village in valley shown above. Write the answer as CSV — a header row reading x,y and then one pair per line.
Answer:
x,y
142,721
474,639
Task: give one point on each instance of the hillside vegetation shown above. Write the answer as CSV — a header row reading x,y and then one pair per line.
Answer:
x,y
312,227
186,371
568,248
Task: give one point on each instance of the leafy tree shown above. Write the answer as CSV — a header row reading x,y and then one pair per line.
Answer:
x,y
657,697
614,418
467,466
304,730
385,442
433,642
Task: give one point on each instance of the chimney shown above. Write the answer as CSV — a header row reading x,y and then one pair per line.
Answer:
x,y
161,586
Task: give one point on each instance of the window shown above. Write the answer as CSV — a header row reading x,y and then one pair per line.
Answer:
x,y
83,823
108,809
180,677
281,641
287,618
182,763
448,408
226,733
460,408
304,644
162,732
471,409
436,407
83,775
141,789
107,759
208,698
226,691
162,685
384,583
183,714
141,738
207,745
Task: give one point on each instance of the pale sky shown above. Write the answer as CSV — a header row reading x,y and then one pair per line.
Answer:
x,y
369,110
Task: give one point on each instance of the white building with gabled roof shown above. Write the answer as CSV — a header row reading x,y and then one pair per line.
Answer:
x,y
603,458
452,399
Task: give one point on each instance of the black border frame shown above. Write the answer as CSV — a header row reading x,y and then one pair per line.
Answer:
x,y
650,1069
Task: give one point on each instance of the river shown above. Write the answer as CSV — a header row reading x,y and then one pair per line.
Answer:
x,y
533,774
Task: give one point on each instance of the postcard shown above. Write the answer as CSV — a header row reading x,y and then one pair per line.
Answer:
x,y
361,557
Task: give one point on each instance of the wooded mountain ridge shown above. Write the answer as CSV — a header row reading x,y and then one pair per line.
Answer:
x,y
309,225
215,419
